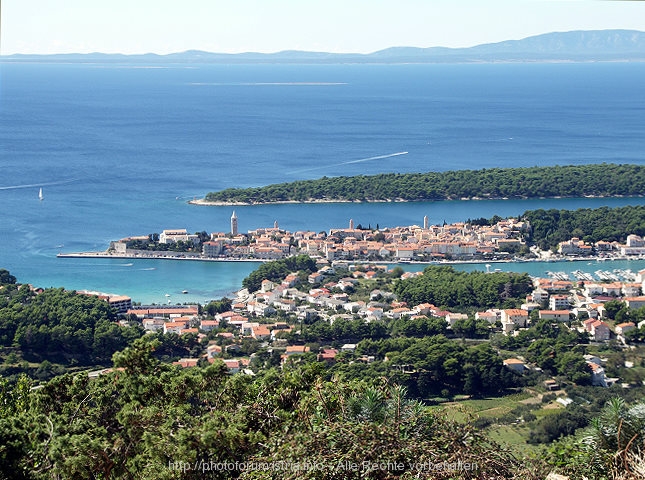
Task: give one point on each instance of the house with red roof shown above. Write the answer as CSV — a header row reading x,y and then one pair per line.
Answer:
x,y
516,316
327,355
186,362
260,332
233,366
515,364
600,330
296,350
174,327
208,325
635,302
598,377
623,328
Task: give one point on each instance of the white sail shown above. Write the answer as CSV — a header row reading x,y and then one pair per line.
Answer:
x,y
40,194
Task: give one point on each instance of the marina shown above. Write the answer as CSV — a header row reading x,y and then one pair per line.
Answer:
x,y
616,275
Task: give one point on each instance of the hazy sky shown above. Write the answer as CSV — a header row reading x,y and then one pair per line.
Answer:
x,y
232,26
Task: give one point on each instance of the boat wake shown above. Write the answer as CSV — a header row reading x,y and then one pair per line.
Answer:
x,y
360,160
263,84
374,158
33,185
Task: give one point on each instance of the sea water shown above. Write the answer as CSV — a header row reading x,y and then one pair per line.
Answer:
x,y
119,149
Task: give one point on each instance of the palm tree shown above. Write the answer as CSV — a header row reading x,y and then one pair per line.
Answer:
x,y
616,439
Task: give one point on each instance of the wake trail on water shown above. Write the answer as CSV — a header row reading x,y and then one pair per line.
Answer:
x,y
375,158
361,160
44,184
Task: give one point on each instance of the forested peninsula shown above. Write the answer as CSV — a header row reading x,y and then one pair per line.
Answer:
x,y
599,180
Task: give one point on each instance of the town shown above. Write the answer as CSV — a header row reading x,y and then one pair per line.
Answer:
x,y
271,319
503,240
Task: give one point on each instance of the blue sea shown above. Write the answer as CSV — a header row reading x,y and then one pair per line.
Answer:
x,y
119,150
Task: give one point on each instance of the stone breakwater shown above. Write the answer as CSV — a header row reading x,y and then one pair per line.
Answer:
x,y
155,256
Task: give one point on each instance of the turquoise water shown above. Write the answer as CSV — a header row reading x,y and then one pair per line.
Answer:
x,y
118,151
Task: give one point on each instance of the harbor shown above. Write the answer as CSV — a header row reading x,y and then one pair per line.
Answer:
x,y
615,275
147,280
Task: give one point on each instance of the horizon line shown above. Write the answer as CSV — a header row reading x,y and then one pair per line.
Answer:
x,y
319,52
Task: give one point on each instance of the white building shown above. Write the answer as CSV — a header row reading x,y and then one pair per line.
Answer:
x,y
559,302
177,235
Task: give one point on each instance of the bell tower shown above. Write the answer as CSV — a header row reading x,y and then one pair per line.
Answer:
x,y
234,224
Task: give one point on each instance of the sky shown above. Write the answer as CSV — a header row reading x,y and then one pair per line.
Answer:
x,y
350,26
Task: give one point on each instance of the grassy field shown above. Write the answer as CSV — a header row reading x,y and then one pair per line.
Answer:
x,y
514,435
486,407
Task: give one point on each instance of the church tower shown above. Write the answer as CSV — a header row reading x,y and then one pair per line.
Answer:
x,y
234,224
351,224
425,222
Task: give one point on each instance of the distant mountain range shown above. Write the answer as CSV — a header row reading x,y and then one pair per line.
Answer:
x,y
577,46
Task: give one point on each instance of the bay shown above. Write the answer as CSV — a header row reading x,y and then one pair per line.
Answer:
x,y
119,151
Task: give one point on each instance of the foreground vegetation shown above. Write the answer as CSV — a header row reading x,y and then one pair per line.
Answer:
x,y
154,421
150,420
533,182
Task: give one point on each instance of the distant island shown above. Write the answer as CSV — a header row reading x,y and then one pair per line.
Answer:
x,y
576,46
595,180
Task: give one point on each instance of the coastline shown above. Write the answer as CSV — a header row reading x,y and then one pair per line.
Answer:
x,y
208,203
199,258
156,256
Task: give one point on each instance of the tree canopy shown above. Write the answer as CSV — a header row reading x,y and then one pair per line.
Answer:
x,y
62,326
531,182
549,227
443,286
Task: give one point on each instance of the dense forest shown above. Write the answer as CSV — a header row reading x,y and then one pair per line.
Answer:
x,y
532,182
550,227
445,287
60,326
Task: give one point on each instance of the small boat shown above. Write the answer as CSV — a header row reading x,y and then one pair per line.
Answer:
x,y
167,294
40,194
184,291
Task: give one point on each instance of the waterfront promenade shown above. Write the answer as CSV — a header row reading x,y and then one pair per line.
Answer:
x,y
201,258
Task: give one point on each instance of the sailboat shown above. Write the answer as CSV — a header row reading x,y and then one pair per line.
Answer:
x,y
40,194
